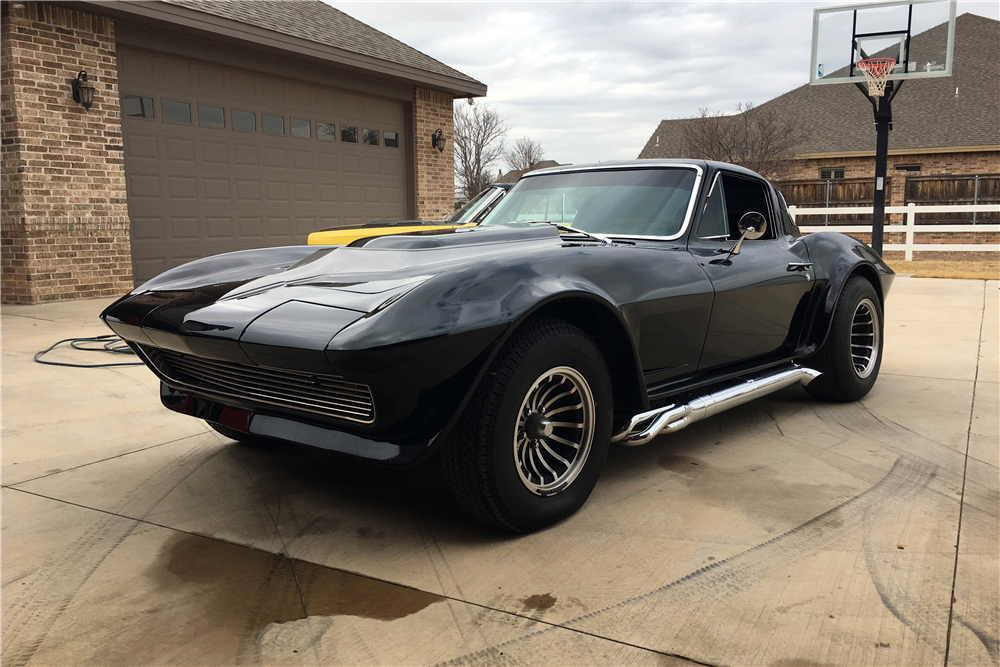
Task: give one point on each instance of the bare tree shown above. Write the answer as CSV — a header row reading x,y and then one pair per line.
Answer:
x,y
753,137
479,144
524,155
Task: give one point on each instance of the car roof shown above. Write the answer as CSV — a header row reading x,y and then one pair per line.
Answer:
x,y
706,165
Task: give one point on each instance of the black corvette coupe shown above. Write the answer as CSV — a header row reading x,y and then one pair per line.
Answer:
x,y
595,304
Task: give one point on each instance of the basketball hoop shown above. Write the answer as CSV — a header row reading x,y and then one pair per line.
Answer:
x,y
876,71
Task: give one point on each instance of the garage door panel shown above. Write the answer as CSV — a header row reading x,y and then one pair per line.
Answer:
x,y
277,191
196,191
247,191
218,228
214,153
180,150
184,229
246,155
182,188
143,186
276,158
139,146
302,160
217,190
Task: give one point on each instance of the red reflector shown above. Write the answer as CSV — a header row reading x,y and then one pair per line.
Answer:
x,y
236,419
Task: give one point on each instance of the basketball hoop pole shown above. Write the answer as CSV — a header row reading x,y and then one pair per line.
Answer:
x,y
882,107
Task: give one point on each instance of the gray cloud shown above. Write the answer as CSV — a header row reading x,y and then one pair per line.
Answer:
x,y
590,81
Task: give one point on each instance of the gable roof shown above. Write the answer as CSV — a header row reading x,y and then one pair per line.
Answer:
x,y
928,115
514,174
305,27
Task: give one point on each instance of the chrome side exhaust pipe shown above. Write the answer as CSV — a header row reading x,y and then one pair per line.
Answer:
x,y
647,425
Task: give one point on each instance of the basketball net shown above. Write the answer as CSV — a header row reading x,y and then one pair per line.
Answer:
x,y
876,72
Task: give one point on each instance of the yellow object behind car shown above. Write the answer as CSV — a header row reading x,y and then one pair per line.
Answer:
x,y
471,214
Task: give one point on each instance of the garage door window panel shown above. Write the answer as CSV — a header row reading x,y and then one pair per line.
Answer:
x,y
176,112
138,106
348,134
326,131
244,121
273,124
209,116
301,129
371,137
392,140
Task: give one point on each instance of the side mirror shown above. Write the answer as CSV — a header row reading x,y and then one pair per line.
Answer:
x,y
752,225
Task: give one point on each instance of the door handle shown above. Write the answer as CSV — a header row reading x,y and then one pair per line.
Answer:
x,y
799,266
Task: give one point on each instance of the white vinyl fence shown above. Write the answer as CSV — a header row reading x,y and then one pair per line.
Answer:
x,y
910,227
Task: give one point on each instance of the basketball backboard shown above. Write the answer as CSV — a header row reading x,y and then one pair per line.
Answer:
x,y
918,34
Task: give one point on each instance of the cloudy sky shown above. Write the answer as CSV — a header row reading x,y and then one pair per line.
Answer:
x,y
591,81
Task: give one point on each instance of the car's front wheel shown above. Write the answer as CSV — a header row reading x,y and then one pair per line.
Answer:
x,y
852,355
530,446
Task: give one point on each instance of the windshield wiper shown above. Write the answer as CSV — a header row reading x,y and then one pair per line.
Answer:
x,y
566,228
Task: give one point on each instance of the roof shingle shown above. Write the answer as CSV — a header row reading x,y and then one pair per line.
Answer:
x,y
318,22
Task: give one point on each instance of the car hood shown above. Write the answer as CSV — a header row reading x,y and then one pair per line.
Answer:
x,y
329,288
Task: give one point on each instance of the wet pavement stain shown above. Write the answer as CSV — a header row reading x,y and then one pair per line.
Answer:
x,y
241,590
539,602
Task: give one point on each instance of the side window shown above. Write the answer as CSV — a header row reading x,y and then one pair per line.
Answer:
x,y
714,223
744,195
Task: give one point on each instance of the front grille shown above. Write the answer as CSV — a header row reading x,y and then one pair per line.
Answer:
x,y
326,395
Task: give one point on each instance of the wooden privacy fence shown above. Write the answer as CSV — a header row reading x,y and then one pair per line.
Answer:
x,y
910,226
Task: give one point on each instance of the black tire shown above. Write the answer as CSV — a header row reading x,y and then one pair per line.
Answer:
x,y
847,377
247,439
482,460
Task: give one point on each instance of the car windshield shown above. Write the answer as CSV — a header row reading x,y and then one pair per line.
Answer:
x,y
617,202
466,212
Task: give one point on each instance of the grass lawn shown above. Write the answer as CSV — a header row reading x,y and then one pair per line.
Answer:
x,y
983,269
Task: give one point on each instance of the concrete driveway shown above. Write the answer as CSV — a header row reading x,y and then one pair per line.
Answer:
x,y
785,532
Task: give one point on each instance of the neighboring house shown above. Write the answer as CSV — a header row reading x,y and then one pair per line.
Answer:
x,y
215,126
946,133
514,174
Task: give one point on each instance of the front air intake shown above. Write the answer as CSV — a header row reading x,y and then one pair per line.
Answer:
x,y
314,393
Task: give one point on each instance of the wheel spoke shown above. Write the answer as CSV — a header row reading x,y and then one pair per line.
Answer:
x,y
564,441
553,453
553,400
563,409
568,424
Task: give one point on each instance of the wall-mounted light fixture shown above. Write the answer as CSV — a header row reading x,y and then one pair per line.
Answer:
x,y
438,141
83,90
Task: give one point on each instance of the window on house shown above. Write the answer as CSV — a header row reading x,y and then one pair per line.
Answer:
x,y
348,134
371,137
137,106
326,131
176,112
301,128
244,121
211,116
835,172
273,124
392,140
907,167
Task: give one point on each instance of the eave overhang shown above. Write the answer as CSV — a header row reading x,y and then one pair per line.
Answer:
x,y
183,20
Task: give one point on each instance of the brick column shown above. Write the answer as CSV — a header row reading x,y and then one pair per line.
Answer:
x,y
435,177
64,225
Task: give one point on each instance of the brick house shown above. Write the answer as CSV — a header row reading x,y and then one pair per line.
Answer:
x,y
945,145
215,126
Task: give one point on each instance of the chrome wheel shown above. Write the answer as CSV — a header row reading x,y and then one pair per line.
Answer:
x,y
864,338
554,432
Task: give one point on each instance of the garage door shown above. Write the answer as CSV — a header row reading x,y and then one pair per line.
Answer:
x,y
219,159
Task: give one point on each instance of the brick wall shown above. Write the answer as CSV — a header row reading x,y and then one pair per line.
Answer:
x,y
931,164
64,225
435,171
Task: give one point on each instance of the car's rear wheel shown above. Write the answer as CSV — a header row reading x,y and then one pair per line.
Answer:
x,y
852,355
530,446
